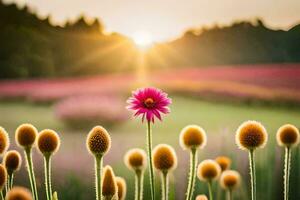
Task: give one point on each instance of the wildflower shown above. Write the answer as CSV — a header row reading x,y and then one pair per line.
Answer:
x,y
201,197
229,181
192,137
149,103
224,162
109,184
12,161
250,136
164,160
208,171
19,193
121,183
48,143
25,136
98,143
4,141
3,179
135,159
287,136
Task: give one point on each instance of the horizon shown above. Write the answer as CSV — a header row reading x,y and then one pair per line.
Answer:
x,y
165,25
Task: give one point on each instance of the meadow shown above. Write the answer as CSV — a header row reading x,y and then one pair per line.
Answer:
x,y
73,174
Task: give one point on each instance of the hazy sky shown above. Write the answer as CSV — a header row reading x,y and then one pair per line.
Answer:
x,y
166,19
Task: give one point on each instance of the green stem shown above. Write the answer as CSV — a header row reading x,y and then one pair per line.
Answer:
x,y
31,175
47,161
98,174
1,195
252,174
192,176
139,176
210,190
165,186
11,181
151,174
230,196
287,167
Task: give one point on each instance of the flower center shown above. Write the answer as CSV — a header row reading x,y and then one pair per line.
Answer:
x,y
149,103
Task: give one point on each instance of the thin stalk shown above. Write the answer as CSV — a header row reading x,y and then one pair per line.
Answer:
x,y
31,175
192,176
252,174
287,168
1,195
47,162
11,180
139,176
165,186
229,195
98,176
149,147
210,190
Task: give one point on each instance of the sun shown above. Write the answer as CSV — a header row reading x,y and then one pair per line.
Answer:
x,y
143,39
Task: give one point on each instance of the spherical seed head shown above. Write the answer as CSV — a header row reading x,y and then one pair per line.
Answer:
x,y
201,197
4,141
251,135
288,136
136,159
12,161
98,141
26,135
192,136
230,179
164,157
109,184
19,193
224,162
121,183
3,176
208,170
48,142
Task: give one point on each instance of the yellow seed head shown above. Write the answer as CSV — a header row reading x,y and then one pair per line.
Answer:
x,y
19,193
12,161
4,141
251,135
48,142
192,136
164,157
3,176
208,170
201,197
98,141
26,135
109,184
136,159
224,162
121,183
288,136
230,179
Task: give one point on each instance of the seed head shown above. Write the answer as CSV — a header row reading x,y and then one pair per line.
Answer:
x,y
164,157
208,170
230,179
288,136
201,197
4,141
19,193
3,176
136,159
121,183
109,184
12,161
48,142
192,136
26,135
251,135
224,162
98,141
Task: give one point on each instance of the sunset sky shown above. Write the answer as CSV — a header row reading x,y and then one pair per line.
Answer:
x,y
166,19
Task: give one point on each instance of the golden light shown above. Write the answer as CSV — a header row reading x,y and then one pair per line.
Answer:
x,y
143,39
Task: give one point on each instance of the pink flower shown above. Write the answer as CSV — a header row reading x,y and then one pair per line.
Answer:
x,y
149,103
